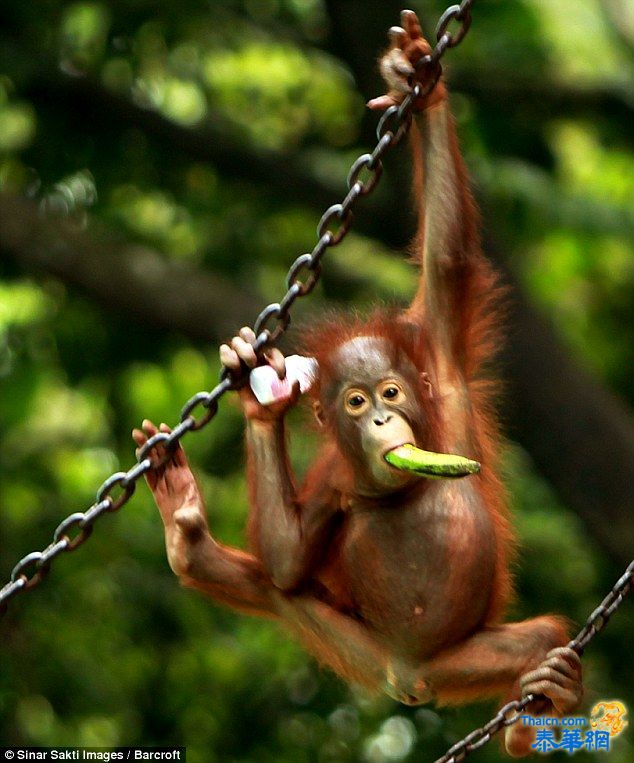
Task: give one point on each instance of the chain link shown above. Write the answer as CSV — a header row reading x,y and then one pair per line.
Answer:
x,y
510,713
270,324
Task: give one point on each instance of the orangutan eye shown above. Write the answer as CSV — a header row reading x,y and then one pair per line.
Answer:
x,y
392,392
356,402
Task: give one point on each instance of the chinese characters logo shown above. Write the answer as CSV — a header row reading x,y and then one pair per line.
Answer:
x,y
595,734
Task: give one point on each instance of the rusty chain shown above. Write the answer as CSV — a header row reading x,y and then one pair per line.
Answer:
x,y
270,324
511,712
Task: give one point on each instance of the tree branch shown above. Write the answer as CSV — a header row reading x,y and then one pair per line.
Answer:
x,y
580,435
121,276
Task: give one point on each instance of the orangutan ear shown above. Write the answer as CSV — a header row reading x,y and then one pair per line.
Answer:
x,y
424,376
319,413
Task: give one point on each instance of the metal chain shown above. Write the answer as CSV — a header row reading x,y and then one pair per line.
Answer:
x,y
510,713
270,324
392,127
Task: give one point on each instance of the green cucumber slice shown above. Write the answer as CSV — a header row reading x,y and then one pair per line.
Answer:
x,y
435,465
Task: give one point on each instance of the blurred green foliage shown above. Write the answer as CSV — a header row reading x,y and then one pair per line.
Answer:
x,y
110,650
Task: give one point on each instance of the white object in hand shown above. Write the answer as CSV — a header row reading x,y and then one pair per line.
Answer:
x,y
269,388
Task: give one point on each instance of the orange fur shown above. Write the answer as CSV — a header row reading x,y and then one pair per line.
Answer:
x,y
401,586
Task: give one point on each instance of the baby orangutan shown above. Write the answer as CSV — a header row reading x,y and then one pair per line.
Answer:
x,y
396,581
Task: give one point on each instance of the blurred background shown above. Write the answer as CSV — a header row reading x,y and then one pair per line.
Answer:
x,y
161,165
